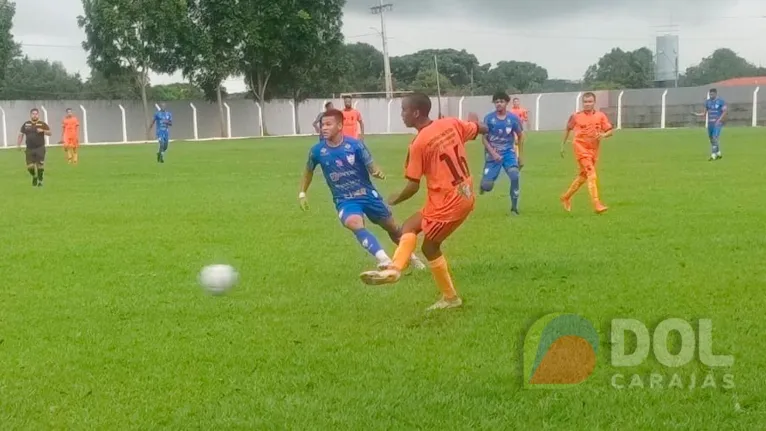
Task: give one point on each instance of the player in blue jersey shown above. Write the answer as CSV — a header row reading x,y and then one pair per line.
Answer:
x,y
163,119
715,110
347,166
500,148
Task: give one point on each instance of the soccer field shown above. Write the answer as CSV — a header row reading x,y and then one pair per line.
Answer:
x,y
102,324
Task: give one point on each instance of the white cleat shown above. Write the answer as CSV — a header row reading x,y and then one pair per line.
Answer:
x,y
445,304
416,263
377,278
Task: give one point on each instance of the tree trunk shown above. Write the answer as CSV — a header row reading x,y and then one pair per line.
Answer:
x,y
219,98
258,86
297,119
142,82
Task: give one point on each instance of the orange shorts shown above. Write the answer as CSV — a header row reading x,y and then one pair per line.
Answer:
x,y
587,163
71,142
438,231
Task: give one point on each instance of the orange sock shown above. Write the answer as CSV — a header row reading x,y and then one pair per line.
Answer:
x,y
440,270
404,251
576,184
593,188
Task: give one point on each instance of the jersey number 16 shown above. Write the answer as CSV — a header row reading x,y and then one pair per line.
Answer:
x,y
462,164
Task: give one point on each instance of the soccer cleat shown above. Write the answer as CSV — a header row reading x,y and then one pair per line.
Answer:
x,y
600,208
34,181
445,304
39,184
416,263
566,203
159,157
515,211
384,264
377,278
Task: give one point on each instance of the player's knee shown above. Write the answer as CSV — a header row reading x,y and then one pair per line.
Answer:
x,y
353,222
431,249
513,173
487,185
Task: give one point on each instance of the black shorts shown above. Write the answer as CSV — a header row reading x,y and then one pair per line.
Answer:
x,y
35,156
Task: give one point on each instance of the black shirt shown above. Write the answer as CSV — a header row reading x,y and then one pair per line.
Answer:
x,y
35,139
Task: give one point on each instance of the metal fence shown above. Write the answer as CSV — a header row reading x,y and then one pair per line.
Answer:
x,y
116,122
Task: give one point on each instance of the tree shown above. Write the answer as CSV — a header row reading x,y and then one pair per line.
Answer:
x,y
621,69
283,37
9,49
458,66
40,80
126,37
176,92
514,77
723,64
363,69
425,81
119,86
210,47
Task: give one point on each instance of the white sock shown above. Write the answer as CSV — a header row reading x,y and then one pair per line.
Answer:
x,y
382,257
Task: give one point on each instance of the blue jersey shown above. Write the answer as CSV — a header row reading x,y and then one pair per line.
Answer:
x,y
715,109
502,132
163,121
344,168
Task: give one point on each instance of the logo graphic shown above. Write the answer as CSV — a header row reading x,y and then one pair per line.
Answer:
x,y
559,350
339,163
350,158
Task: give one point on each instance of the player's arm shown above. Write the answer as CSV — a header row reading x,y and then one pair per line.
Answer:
x,y
317,123
20,139
413,172
45,129
567,132
489,148
63,131
366,157
724,112
361,127
521,136
169,120
606,126
308,176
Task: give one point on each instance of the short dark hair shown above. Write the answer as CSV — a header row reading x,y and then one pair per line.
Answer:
x,y
589,94
501,95
68,109
515,99
713,90
34,110
347,97
421,102
327,105
334,113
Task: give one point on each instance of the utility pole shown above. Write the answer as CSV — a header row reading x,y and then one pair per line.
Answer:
x,y
381,9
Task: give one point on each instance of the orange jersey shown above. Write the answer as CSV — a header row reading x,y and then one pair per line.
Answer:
x,y
438,154
587,127
71,126
351,119
522,113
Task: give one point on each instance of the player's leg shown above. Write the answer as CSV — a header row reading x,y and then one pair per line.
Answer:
x,y
40,164
352,217
381,215
402,256
589,165
489,176
580,179
716,141
31,165
511,167
435,232
75,148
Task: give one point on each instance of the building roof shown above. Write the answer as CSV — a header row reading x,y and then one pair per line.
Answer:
x,y
742,82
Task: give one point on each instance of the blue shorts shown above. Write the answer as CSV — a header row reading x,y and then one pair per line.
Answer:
x,y
163,136
492,168
373,207
714,130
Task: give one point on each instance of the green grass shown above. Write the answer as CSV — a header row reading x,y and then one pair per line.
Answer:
x,y
102,325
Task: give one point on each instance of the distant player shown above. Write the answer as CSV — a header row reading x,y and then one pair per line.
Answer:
x,y
317,124
33,132
716,111
70,136
438,154
500,148
353,125
347,165
523,114
590,127
163,119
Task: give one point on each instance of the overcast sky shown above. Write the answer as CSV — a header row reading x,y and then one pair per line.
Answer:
x,y
564,36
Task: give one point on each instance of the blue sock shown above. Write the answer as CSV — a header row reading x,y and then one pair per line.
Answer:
x,y
514,175
368,241
715,147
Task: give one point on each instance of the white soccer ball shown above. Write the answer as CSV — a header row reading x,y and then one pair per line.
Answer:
x,y
217,279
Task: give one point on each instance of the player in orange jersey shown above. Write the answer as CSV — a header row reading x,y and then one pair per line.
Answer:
x,y
438,154
70,136
353,125
523,114
590,127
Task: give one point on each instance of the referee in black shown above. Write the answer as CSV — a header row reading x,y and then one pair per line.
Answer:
x,y
35,132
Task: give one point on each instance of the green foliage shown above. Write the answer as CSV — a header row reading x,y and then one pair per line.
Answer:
x,y
176,92
622,69
9,49
425,81
38,80
723,64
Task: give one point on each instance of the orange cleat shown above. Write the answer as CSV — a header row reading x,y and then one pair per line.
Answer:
x,y
567,203
600,208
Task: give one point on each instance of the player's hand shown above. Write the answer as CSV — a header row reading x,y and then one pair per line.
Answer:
x,y
392,200
496,157
40,130
303,201
521,163
473,117
562,151
379,175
